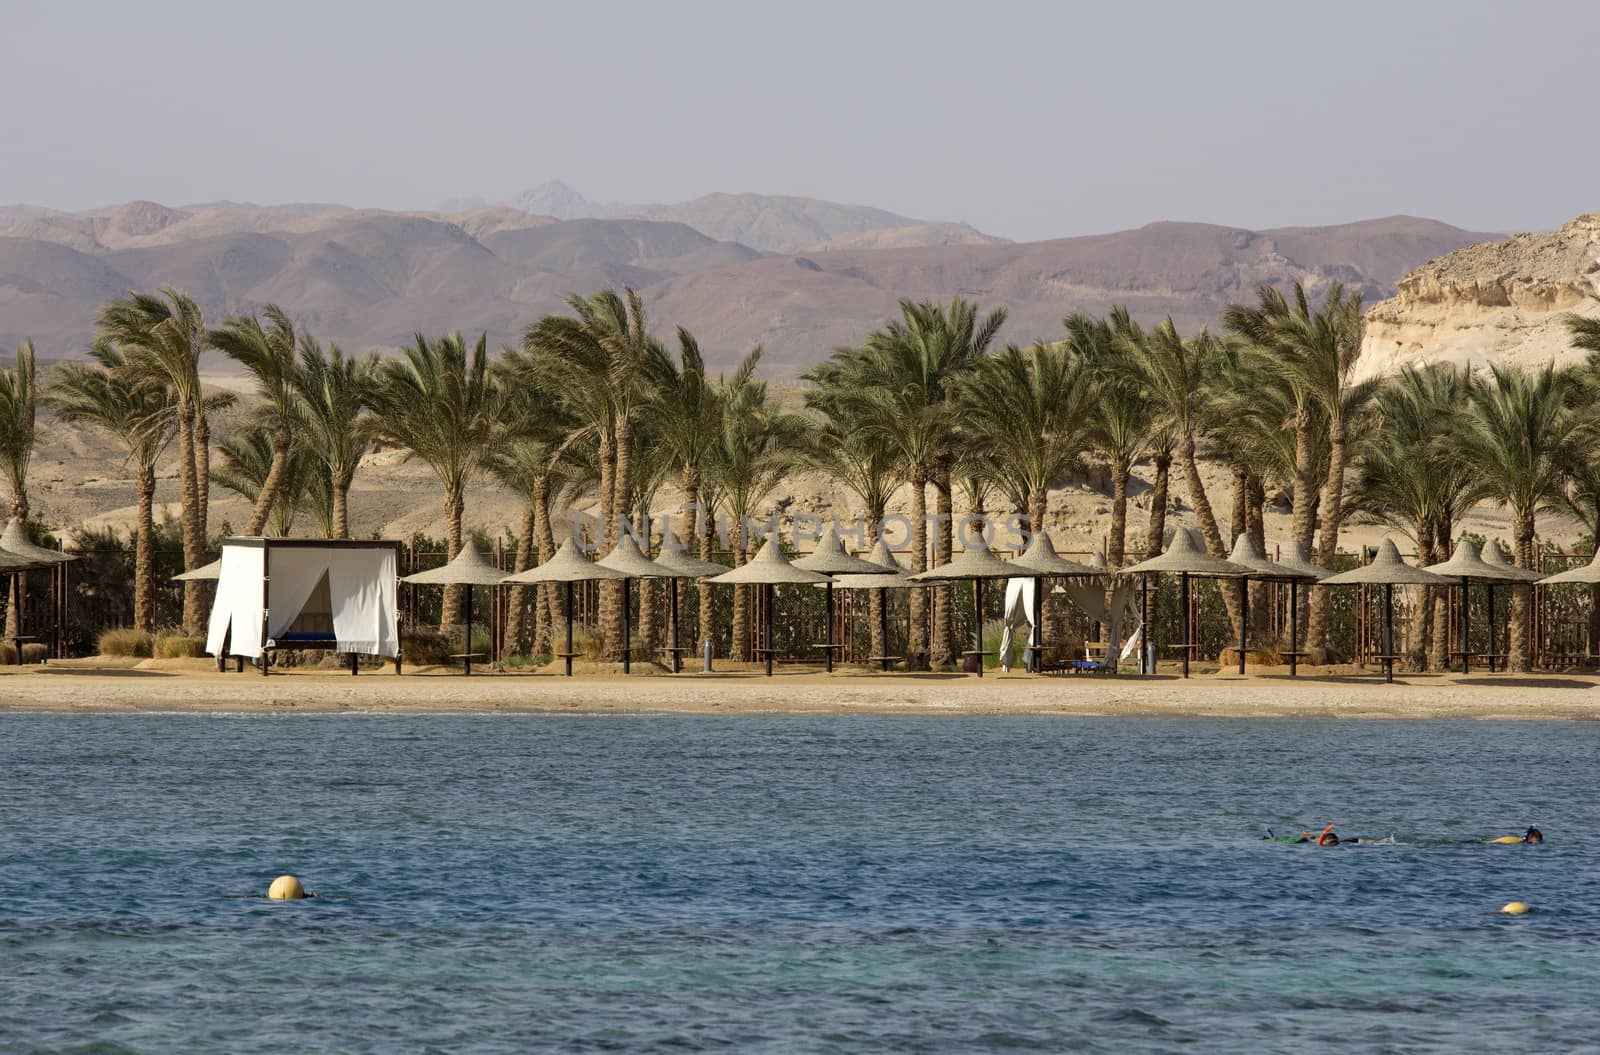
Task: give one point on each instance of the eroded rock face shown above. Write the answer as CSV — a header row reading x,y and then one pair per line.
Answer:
x,y
1497,302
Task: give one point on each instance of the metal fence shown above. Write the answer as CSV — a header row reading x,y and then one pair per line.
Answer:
x,y
66,607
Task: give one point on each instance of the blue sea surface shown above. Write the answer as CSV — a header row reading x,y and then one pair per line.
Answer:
x,y
793,884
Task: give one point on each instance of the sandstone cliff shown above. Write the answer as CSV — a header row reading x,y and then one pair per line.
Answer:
x,y
1497,302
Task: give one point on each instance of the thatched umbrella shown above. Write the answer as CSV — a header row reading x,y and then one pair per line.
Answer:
x,y
893,578
830,559
1583,573
1184,558
1495,558
676,563
1387,570
469,568
1293,557
630,560
14,544
1261,569
769,568
1465,565
205,573
977,563
567,566
1041,559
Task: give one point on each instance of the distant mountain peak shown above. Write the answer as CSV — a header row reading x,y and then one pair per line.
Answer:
x,y
558,199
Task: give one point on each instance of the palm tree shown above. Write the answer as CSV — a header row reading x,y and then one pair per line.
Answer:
x,y
19,395
1410,477
1030,412
162,339
903,380
332,396
755,449
594,359
268,354
251,463
684,409
1163,441
1516,437
441,403
142,417
1120,420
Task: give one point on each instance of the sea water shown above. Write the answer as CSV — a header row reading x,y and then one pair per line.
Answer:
x,y
779,884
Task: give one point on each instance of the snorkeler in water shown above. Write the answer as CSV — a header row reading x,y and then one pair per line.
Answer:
x,y
1326,837
1530,837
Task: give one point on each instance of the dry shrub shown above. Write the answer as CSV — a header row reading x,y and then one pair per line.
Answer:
x,y
175,644
31,653
424,647
124,642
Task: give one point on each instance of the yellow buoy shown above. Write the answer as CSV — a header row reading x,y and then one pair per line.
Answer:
x,y
286,888
1516,908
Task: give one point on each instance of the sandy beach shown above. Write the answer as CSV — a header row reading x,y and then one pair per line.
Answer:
x,y
81,686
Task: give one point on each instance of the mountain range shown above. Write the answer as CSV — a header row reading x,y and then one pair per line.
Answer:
x,y
370,278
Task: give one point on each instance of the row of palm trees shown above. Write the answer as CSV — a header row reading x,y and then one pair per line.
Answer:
x,y
591,405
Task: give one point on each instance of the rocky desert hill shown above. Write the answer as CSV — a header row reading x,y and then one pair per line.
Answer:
x,y
1499,302
370,278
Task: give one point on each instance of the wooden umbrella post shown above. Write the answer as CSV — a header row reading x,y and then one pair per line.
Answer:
x,y
1294,626
977,618
569,628
1183,617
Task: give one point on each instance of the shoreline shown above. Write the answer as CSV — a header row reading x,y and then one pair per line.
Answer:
x,y
75,687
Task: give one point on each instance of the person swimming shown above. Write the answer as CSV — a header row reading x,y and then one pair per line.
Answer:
x,y
1530,837
1326,837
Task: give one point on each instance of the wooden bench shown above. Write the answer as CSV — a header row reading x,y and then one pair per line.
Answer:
x,y
675,655
467,658
885,660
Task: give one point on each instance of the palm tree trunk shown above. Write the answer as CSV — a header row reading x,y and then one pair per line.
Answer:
x,y
273,482
517,596
1422,617
647,591
1241,499
19,513
1155,534
944,616
1255,526
610,595
875,598
691,499
707,621
193,536
548,592
454,508
144,554
202,471
1117,545
1328,540
341,504
1207,519
1304,522
741,622
917,646
1521,658
1439,598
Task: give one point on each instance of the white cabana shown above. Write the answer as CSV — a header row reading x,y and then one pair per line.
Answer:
x,y
332,594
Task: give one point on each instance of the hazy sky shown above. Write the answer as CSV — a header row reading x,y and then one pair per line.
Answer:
x,y
1026,119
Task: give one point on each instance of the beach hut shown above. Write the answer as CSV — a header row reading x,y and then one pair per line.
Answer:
x,y
1246,555
567,566
1185,559
285,593
894,577
630,560
1495,558
977,562
676,563
15,566
1467,567
1042,560
469,568
769,568
1293,557
830,559
1387,570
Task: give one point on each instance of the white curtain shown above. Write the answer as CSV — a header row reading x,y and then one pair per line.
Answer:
x,y
361,583
294,572
1018,618
238,603
366,616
